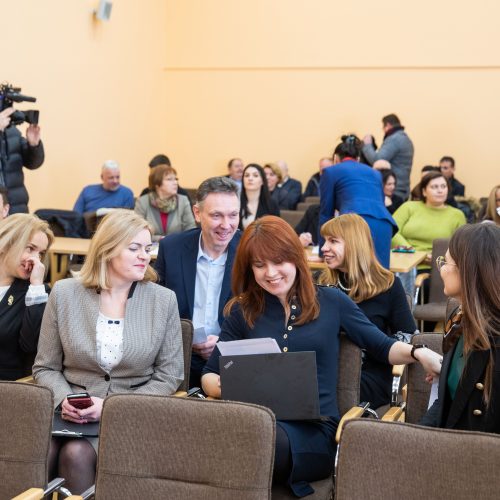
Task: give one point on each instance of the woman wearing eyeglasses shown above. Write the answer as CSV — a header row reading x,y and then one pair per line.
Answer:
x,y
469,384
167,211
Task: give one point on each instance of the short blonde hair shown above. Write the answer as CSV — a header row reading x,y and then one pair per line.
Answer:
x,y
115,232
366,277
15,234
276,170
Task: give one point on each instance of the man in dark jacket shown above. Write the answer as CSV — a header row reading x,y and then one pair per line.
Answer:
x,y
16,152
397,149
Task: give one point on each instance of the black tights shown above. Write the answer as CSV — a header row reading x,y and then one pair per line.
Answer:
x,y
74,460
282,457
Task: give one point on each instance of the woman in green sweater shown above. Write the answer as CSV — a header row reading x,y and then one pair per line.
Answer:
x,y
421,222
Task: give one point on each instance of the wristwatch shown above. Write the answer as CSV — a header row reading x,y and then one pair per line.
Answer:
x,y
416,346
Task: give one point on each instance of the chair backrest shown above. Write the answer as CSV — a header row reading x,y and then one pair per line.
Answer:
x,y
92,221
293,217
349,377
417,397
167,447
26,413
66,223
399,460
312,199
451,305
303,206
187,344
436,290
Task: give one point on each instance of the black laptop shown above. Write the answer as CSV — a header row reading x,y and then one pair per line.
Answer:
x,y
287,383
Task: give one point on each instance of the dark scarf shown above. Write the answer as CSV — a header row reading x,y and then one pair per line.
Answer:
x,y
393,130
453,330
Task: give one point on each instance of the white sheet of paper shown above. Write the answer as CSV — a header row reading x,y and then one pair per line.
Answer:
x,y
199,336
315,250
434,392
248,346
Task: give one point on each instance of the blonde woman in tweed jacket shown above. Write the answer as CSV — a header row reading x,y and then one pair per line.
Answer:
x,y
110,330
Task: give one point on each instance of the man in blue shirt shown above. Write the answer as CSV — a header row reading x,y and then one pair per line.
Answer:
x,y
197,265
109,194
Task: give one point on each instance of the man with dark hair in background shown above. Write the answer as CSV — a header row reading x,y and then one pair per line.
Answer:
x,y
447,166
162,159
16,152
397,149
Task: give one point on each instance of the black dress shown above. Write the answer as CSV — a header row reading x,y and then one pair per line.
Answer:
x,y
312,443
19,331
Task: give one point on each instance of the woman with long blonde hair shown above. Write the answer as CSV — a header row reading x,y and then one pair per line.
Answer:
x,y
354,269
109,330
24,241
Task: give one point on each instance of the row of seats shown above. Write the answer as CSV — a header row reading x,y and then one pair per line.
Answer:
x,y
159,447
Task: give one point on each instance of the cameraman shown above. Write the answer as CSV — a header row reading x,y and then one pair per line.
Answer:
x,y
16,151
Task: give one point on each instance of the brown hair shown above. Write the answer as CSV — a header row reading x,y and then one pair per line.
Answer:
x,y
158,173
271,239
366,278
475,250
427,178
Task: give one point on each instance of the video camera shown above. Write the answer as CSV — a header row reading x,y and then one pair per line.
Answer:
x,y
8,96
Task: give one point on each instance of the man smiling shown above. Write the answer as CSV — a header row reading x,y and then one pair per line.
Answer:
x,y
197,265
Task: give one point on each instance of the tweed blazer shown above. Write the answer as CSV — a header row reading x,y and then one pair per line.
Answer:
x,y
152,361
181,219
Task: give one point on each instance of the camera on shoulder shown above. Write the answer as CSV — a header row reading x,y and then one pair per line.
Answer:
x,y
8,96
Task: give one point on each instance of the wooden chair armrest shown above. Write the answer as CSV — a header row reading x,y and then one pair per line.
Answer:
x,y
355,412
31,494
27,380
397,370
394,413
419,280
404,392
180,394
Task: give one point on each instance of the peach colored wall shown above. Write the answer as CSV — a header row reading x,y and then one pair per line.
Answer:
x,y
100,89
285,78
204,80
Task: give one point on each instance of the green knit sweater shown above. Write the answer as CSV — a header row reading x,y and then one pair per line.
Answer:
x,y
419,225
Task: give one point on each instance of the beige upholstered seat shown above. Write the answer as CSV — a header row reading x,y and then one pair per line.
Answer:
x,y
167,447
293,217
392,460
347,397
435,308
187,344
26,413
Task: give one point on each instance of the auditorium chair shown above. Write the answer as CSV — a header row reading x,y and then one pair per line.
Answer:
x,y
417,390
25,432
293,217
396,461
434,308
167,447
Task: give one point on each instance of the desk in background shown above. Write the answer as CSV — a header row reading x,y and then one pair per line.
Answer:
x,y
60,252
400,262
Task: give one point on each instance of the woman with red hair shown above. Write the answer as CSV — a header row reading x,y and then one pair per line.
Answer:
x,y
274,296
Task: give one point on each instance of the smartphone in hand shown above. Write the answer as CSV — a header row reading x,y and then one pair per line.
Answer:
x,y
80,400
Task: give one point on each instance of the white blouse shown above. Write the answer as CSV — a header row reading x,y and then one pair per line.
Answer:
x,y
109,341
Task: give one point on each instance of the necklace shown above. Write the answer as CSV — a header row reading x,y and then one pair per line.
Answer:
x,y
339,283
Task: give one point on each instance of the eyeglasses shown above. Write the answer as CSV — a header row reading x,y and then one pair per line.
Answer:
x,y
441,261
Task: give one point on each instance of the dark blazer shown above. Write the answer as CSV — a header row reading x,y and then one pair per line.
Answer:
x,y
19,331
176,268
310,223
468,411
294,189
273,209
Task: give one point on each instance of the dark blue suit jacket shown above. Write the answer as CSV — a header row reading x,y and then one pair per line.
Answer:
x,y
351,187
176,268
